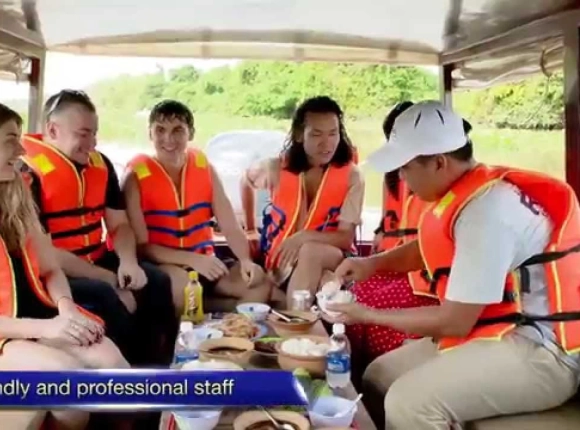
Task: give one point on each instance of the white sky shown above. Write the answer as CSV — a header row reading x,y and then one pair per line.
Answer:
x,y
73,71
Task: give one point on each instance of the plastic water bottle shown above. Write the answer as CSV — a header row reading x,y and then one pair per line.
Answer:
x,y
184,354
338,358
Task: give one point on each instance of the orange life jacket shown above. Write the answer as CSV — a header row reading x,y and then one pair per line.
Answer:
x,y
288,198
73,203
413,209
393,215
177,220
9,289
561,258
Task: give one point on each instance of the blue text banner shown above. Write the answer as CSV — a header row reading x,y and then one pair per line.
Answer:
x,y
148,389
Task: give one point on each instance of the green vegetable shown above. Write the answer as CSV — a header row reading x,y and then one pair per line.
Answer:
x,y
319,389
269,339
314,388
301,372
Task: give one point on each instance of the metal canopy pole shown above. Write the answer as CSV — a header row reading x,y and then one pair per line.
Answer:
x,y
572,105
35,94
446,84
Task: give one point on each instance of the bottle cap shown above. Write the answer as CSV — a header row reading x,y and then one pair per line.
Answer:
x,y
193,275
185,326
338,328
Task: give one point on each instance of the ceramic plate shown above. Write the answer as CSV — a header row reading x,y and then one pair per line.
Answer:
x,y
262,328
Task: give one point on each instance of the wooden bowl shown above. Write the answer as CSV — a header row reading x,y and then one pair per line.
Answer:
x,y
315,365
293,327
235,349
245,420
210,365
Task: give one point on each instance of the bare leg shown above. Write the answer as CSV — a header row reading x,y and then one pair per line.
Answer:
x,y
233,285
278,296
27,355
179,280
313,260
23,420
128,300
103,355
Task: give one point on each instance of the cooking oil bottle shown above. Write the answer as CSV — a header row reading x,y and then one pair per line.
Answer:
x,y
193,305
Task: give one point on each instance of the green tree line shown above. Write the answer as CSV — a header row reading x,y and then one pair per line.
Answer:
x,y
274,89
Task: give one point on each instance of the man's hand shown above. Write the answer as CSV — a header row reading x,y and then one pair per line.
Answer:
x,y
287,253
131,276
355,269
350,313
209,266
250,271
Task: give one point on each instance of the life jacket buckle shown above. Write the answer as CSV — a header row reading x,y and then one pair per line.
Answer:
x,y
521,319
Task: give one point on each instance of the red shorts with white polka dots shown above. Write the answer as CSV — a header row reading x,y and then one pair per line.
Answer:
x,y
383,291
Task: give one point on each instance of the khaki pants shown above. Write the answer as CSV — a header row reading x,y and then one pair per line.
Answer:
x,y
427,389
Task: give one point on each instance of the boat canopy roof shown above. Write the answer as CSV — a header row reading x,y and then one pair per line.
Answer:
x,y
487,41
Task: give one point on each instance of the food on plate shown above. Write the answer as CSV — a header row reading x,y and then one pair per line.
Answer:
x,y
258,420
266,345
314,388
304,347
211,365
236,349
238,325
226,350
268,425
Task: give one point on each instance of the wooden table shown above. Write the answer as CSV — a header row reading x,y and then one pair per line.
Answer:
x,y
362,419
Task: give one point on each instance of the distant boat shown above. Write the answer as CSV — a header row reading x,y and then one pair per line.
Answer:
x,y
231,153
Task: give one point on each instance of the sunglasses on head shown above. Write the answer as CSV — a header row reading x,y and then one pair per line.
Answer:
x,y
66,95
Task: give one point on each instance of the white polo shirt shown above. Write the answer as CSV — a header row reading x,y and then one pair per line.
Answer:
x,y
495,233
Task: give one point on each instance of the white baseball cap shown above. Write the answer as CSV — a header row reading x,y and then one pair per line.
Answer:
x,y
426,128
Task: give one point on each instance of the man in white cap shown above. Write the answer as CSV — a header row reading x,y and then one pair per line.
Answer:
x,y
501,249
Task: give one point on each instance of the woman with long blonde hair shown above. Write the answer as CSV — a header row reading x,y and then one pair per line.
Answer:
x,y
41,328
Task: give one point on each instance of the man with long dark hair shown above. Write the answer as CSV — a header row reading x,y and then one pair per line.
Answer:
x,y
317,196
